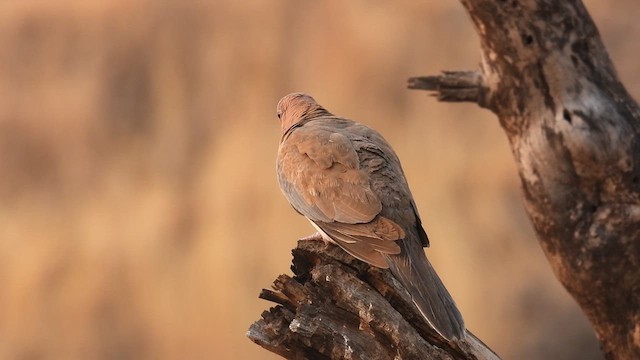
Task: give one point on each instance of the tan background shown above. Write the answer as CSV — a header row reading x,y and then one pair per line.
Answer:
x,y
139,212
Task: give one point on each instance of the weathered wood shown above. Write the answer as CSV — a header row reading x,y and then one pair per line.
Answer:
x,y
337,307
452,86
574,132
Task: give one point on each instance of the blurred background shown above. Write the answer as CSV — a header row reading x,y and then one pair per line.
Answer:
x,y
139,211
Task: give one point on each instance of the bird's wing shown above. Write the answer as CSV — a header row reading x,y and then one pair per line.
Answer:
x,y
367,242
319,173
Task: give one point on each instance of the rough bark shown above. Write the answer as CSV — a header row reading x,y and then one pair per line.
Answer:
x,y
574,133
337,307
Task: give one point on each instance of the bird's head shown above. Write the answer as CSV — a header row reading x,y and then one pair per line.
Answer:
x,y
296,108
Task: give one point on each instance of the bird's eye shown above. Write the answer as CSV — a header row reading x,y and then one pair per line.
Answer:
x,y
279,115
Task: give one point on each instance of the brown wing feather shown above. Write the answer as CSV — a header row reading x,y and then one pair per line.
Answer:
x,y
363,249
368,241
379,228
319,173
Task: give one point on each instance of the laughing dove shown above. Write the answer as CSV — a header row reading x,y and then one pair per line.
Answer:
x,y
348,182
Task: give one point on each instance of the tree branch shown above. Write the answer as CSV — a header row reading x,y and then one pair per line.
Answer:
x,y
574,131
337,307
452,86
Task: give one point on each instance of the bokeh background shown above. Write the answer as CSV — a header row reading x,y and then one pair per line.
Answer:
x,y
139,211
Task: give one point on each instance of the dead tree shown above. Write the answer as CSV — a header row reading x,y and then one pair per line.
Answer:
x,y
574,132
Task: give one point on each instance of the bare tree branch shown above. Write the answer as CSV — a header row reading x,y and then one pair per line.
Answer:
x,y
452,86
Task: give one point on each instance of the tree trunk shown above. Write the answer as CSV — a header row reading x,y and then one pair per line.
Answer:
x,y
337,307
574,132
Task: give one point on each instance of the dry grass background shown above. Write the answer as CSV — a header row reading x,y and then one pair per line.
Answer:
x,y
139,212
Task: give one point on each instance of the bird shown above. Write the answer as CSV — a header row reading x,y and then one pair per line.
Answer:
x,y
345,178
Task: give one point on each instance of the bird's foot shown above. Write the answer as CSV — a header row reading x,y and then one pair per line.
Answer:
x,y
316,236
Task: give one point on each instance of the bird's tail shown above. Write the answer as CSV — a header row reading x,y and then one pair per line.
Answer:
x,y
412,268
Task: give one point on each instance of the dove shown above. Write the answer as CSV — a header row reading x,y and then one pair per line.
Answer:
x,y
345,178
